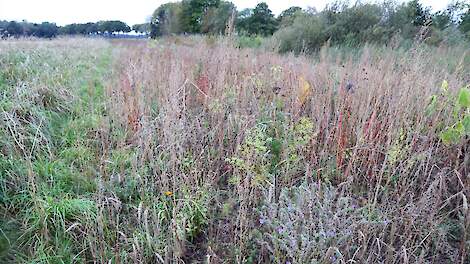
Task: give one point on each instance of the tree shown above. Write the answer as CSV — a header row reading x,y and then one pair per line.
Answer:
x,y
307,33
29,29
287,17
417,13
141,28
464,25
243,20
257,21
262,21
166,20
47,30
355,25
68,29
113,26
91,28
3,28
216,18
451,16
460,14
193,12
80,29
14,29
407,19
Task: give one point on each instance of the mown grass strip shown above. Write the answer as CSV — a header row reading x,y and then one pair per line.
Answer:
x,y
57,149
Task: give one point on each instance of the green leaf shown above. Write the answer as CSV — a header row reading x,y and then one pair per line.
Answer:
x,y
432,105
464,97
466,124
450,136
459,128
444,86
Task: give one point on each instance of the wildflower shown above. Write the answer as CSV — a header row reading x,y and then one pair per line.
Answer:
x,y
304,90
168,193
330,234
349,87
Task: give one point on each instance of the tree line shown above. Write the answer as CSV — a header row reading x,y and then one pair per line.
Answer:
x,y
297,28
50,30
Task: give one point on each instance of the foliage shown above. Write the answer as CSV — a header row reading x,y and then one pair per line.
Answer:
x,y
113,26
464,25
260,22
192,16
51,30
461,113
79,29
142,28
287,17
14,29
216,18
249,42
193,12
305,34
166,20
362,23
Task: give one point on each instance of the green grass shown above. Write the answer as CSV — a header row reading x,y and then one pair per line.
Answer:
x,y
58,118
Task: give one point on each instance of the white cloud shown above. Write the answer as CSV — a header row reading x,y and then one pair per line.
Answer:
x,y
132,12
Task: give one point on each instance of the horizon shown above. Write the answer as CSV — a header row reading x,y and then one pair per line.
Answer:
x,y
140,11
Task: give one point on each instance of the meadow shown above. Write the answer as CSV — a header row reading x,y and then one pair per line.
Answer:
x,y
197,150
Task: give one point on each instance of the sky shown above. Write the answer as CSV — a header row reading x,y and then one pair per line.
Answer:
x,y
132,12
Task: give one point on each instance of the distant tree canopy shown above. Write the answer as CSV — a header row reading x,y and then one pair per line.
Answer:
x,y
215,19
339,22
141,28
191,16
18,29
166,20
46,30
464,24
194,12
287,17
260,21
51,30
14,29
110,27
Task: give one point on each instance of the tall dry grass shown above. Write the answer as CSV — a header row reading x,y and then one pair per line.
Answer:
x,y
189,106
188,150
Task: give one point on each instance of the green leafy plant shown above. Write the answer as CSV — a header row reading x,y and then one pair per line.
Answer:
x,y
461,113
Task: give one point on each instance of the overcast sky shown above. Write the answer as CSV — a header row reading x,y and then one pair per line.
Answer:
x,y
130,11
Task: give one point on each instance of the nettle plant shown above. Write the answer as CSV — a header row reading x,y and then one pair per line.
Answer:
x,y
254,154
270,148
460,104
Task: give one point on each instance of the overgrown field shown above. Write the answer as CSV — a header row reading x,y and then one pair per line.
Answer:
x,y
190,150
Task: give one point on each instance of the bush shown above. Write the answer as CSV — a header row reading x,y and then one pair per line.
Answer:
x,y
249,42
307,34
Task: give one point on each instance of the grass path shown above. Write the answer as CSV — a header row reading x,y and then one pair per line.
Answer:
x,y
55,143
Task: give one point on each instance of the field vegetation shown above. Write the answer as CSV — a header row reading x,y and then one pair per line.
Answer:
x,y
194,150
